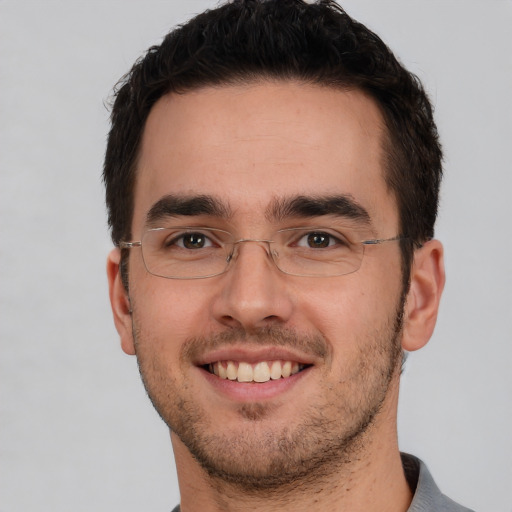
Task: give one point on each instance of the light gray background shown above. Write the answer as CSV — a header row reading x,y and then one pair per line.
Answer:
x,y
77,432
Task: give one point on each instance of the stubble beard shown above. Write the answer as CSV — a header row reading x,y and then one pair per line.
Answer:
x,y
331,434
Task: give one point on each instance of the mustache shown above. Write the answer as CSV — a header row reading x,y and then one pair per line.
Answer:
x,y
315,345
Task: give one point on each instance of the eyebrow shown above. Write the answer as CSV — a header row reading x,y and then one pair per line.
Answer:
x,y
279,209
341,205
186,206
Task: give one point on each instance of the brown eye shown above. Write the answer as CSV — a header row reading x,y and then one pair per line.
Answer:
x,y
318,240
194,241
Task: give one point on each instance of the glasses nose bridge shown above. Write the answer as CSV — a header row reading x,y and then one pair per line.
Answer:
x,y
261,241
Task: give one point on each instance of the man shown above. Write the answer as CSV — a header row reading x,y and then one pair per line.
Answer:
x,y
272,178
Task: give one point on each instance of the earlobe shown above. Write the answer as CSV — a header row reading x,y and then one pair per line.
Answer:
x,y
423,298
120,302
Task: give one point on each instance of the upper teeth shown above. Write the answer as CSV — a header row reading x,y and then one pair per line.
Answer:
x,y
258,372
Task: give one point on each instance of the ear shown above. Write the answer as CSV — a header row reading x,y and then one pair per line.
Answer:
x,y
120,302
426,287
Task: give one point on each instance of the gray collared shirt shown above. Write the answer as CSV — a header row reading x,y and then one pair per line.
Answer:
x,y
427,496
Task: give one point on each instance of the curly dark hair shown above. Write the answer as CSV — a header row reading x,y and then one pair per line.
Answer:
x,y
315,43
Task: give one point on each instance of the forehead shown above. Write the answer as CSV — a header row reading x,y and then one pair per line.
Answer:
x,y
251,144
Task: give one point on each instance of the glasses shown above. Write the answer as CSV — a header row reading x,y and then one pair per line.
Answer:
x,y
197,253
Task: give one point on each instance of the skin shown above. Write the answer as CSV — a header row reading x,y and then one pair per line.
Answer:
x,y
325,439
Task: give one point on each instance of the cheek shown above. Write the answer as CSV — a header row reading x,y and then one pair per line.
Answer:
x,y
169,311
349,311
338,302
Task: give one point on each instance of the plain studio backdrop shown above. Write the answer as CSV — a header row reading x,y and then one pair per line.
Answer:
x,y
77,431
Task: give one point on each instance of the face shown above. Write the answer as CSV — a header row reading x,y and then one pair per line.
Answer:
x,y
253,151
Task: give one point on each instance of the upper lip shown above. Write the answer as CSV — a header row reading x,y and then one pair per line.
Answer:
x,y
254,355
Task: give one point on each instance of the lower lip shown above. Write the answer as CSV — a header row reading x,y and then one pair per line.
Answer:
x,y
253,391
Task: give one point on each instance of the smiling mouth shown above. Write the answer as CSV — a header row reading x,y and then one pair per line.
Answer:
x,y
263,371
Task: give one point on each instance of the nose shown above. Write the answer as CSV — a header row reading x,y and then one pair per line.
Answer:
x,y
254,293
